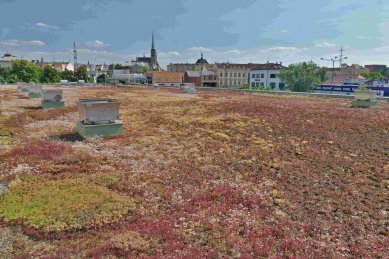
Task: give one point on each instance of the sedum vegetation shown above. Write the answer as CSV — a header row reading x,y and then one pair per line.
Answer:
x,y
61,205
209,175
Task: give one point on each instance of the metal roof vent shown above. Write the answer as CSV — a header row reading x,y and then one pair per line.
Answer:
x,y
98,111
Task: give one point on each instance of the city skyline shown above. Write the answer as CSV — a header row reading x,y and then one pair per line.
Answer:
x,y
248,31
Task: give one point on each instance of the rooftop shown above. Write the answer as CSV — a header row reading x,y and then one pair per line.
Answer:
x,y
211,174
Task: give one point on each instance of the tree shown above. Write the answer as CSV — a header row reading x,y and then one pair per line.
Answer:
x,y
81,73
372,75
26,71
385,73
322,74
6,75
68,75
101,79
301,77
50,75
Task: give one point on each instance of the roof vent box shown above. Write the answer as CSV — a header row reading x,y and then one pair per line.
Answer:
x,y
98,111
52,95
35,89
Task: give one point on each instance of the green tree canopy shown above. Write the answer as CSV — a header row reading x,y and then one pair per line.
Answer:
x,y
68,75
372,75
6,75
81,73
301,77
50,75
101,79
25,71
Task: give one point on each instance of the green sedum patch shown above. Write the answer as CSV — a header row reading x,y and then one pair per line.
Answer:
x,y
58,205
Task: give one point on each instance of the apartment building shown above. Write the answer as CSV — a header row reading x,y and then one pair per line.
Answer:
x,y
233,75
267,75
200,64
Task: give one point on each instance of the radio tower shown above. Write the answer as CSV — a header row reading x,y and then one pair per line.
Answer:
x,y
75,55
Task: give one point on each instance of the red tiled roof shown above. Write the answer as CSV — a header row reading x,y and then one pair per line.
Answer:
x,y
168,77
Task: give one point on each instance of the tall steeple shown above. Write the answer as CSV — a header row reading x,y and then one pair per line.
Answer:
x,y
152,41
153,54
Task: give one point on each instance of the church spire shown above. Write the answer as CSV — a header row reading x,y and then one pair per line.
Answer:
x,y
152,41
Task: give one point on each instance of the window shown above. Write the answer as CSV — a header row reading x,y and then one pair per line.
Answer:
x,y
231,74
243,75
262,84
281,86
257,75
221,74
239,75
235,74
252,75
262,75
257,83
273,76
252,84
273,85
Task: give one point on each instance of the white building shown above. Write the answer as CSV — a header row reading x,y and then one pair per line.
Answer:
x,y
266,75
125,76
6,60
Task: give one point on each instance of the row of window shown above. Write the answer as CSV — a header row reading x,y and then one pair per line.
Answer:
x,y
233,74
263,75
231,82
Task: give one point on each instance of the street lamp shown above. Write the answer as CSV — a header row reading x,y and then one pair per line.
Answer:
x,y
333,60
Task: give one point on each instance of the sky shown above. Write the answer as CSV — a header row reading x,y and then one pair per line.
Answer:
x,y
116,31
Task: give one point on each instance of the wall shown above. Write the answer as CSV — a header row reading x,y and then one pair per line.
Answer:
x,y
263,78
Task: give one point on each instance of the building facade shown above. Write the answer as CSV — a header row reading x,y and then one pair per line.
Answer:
x,y
59,66
353,69
204,78
233,75
174,79
184,67
267,75
376,68
6,60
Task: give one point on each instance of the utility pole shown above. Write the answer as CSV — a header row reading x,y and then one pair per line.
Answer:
x,y
333,60
341,60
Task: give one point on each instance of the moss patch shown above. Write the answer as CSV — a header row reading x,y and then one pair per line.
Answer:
x,y
58,205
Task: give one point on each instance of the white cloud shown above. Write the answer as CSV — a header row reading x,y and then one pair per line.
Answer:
x,y
325,45
288,49
361,37
45,26
21,43
235,52
199,49
97,44
284,30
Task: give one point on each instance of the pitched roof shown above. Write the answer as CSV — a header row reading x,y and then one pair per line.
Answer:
x,y
168,77
193,73
268,66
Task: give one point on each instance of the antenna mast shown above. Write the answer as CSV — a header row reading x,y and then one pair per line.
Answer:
x,y
75,56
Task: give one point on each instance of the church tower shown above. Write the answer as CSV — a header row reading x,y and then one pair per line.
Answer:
x,y
153,54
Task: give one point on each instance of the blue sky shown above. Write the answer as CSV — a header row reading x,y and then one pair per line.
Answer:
x,y
225,30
